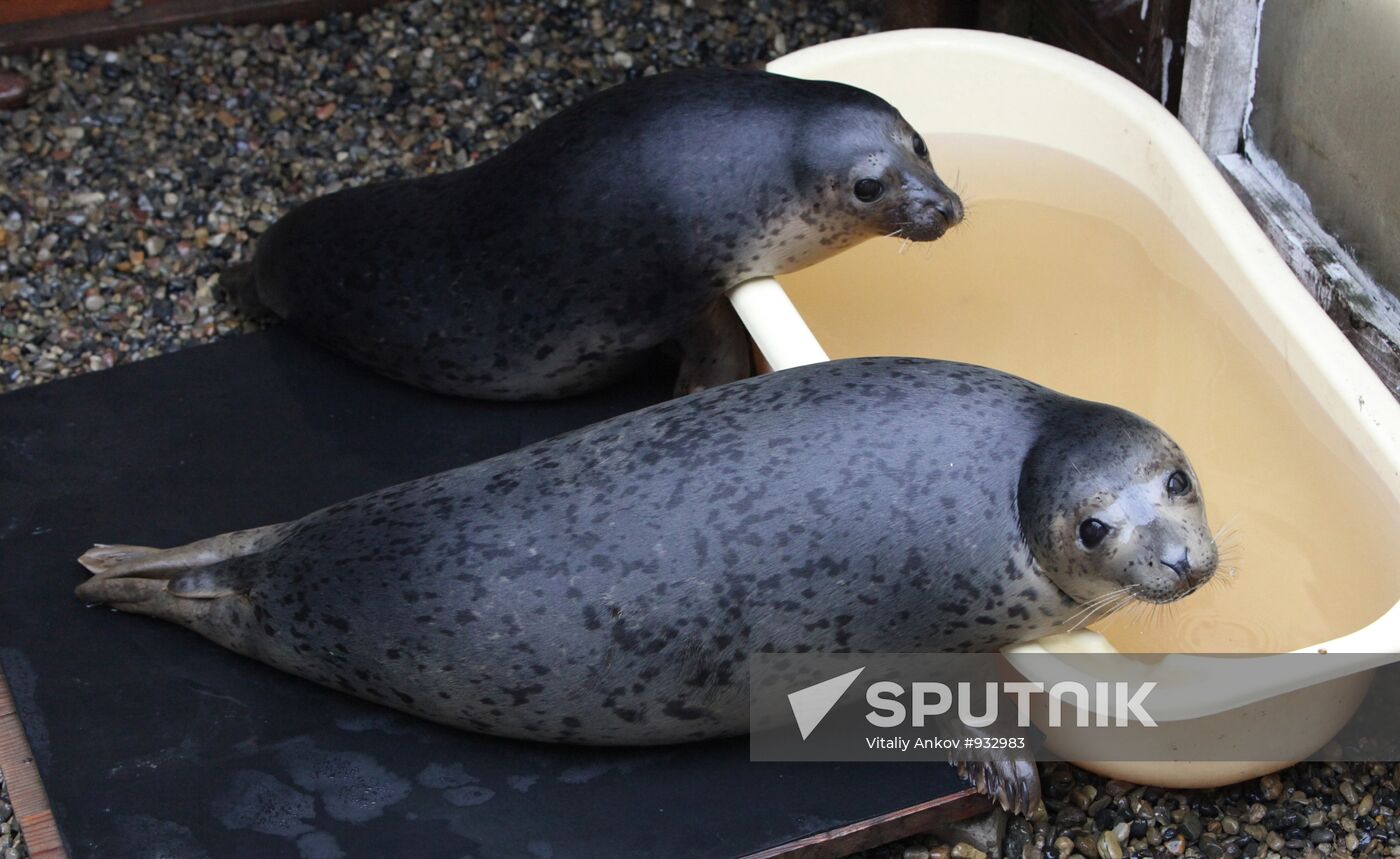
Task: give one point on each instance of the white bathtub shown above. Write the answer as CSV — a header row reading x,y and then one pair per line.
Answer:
x,y
1304,388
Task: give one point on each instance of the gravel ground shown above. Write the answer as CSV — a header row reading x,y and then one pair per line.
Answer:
x,y
1305,812
136,175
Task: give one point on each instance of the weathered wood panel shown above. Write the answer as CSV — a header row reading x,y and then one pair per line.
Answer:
x,y
1142,40
104,28
14,11
1218,75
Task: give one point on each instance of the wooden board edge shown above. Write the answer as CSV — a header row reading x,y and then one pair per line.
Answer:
x,y
27,795
103,28
881,829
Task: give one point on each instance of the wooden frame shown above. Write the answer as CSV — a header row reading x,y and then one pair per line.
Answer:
x,y
27,796
1217,87
882,829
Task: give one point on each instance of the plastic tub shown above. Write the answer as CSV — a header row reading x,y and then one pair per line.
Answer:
x,y
1296,441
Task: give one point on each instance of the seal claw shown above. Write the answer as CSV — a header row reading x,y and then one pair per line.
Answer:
x,y
1014,783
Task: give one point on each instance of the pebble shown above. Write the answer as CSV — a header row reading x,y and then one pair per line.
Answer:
x,y
14,90
963,850
1348,792
1311,816
916,852
142,171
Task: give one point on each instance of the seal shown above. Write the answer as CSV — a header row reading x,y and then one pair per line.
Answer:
x,y
608,586
613,227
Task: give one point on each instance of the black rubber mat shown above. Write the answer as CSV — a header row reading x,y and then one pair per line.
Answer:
x,y
156,743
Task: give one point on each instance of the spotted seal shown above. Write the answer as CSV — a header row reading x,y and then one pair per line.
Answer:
x,y
607,586
613,227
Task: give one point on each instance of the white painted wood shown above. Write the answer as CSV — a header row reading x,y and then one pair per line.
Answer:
x,y
1222,38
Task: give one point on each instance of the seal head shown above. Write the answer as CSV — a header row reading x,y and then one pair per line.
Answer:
x,y
878,171
1109,503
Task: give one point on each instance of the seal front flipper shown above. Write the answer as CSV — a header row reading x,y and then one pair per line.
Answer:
x,y
240,286
714,349
1013,781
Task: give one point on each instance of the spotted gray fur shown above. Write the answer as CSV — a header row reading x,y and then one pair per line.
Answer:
x,y
612,228
607,586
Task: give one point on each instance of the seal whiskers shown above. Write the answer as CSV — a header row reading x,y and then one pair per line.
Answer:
x,y
1094,611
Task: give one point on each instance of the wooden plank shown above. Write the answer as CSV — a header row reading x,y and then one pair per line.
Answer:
x,y
882,829
904,14
1221,40
1142,40
27,796
13,11
1367,313
102,28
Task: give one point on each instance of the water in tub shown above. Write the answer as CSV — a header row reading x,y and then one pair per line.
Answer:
x,y
1066,275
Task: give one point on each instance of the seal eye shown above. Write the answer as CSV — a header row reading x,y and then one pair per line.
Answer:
x,y
919,148
1092,532
1178,483
869,190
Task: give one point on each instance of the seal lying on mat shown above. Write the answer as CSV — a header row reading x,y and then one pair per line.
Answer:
x,y
607,586
612,228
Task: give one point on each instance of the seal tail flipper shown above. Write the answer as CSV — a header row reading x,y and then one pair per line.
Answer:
x,y
144,561
155,581
103,558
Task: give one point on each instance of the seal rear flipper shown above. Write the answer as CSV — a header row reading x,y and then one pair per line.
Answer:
x,y
714,349
156,581
103,558
144,561
184,599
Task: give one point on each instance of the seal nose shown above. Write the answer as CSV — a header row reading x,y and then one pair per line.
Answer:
x,y
1181,565
948,207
